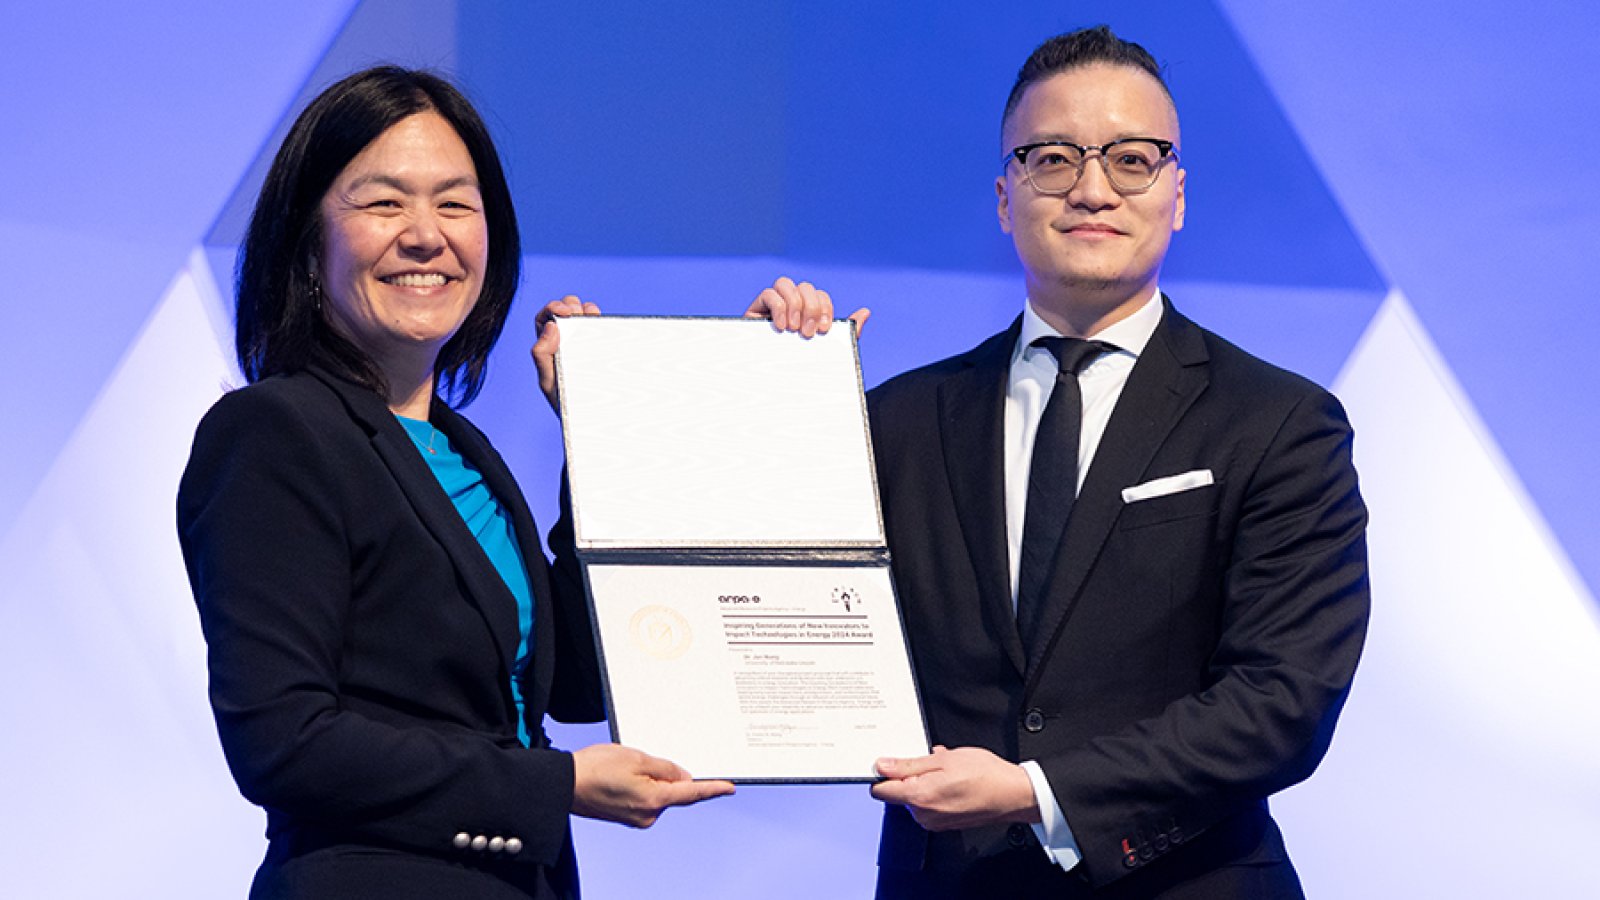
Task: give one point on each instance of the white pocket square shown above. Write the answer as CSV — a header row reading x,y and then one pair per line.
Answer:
x,y
1171,484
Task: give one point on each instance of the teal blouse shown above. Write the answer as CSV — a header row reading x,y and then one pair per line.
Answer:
x,y
490,524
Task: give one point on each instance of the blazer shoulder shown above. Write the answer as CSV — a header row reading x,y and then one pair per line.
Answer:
x,y
278,400
273,437
301,394
1238,373
923,382
296,416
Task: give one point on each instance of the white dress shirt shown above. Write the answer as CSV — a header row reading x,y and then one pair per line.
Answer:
x,y
1028,385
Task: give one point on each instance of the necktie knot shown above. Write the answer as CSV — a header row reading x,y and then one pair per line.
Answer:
x,y
1053,477
1073,355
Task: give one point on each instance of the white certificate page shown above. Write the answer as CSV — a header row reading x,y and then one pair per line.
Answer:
x,y
770,673
715,432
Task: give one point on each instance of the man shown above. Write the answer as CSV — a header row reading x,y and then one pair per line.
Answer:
x,y
1133,568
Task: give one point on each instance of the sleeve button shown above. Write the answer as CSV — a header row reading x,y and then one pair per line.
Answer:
x,y
513,846
479,842
496,844
461,840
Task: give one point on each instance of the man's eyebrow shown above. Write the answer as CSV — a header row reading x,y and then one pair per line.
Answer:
x,y
400,185
1055,137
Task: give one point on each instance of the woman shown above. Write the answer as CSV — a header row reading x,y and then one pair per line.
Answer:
x,y
384,636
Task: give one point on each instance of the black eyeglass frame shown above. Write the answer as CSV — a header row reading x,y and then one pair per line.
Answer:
x,y
1165,148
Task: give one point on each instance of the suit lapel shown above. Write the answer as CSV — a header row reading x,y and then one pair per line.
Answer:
x,y
484,586
497,476
1170,373
971,428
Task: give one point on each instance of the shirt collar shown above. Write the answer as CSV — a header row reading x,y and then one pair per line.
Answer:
x,y
1129,335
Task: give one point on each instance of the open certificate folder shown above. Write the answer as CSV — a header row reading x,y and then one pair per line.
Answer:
x,y
727,521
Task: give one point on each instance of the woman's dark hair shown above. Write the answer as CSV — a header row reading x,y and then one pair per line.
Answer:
x,y
279,328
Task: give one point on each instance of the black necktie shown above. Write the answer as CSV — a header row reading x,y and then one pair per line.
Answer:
x,y
1053,476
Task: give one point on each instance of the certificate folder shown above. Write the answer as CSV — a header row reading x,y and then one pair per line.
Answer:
x,y
726,516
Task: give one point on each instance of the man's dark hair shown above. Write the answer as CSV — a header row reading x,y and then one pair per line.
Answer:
x,y
1074,50
278,328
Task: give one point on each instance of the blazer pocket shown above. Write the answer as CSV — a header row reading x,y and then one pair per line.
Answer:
x,y
1189,504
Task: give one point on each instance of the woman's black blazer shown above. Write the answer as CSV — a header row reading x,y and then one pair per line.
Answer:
x,y
359,644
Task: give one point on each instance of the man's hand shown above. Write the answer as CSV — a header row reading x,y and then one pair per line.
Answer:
x,y
544,349
799,307
621,784
961,788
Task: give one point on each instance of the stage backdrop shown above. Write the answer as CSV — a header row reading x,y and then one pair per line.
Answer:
x,y
1398,201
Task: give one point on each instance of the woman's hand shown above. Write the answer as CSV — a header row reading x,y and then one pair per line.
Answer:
x,y
621,784
544,349
799,307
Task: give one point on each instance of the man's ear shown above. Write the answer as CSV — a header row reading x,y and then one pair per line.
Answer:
x,y
1003,204
1177,208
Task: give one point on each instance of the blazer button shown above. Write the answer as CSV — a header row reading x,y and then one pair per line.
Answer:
x,y
1033,721
1017,834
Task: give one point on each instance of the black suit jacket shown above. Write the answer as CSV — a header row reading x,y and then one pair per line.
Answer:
x,y
360,643
1195,649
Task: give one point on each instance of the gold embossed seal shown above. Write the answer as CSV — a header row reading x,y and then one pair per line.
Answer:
x,y
660,632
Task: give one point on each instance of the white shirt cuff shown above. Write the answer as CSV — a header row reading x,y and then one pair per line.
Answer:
x,y
1051,829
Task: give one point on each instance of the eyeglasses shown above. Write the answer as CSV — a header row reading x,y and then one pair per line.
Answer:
x,y
1132,165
